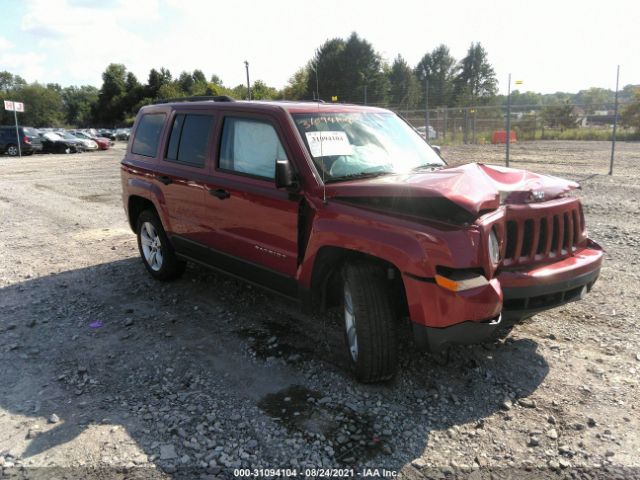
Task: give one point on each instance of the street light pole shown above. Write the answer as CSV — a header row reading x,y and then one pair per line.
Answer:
x,y
508,139
15,117
246,66
615,124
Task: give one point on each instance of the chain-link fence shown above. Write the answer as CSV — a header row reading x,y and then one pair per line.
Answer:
x,y
486,124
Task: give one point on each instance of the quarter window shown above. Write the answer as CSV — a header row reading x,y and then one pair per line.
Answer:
x,y
148,134
189,139
250,147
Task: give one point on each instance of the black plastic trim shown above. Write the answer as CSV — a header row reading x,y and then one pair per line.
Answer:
x,y
420,279
435,339
249,272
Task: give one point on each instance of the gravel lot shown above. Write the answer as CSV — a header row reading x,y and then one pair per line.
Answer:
x,y
105,373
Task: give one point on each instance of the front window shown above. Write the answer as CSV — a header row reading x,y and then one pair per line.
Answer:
x,y
250,147
345,146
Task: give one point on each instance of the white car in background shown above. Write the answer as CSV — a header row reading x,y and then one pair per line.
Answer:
x,y
432,132
86,143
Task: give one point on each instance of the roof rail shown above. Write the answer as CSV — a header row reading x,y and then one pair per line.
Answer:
x,y
214,98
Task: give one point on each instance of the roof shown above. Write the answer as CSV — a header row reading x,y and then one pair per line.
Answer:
x,y
290,106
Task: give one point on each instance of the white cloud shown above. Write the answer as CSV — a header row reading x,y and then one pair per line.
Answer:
x,y
5,44
72,41
80,41
29,66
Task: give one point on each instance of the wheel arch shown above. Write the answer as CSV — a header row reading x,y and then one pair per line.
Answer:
x,y
135,206
325,277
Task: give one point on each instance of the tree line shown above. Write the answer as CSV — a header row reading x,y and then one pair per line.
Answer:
x,y
344,70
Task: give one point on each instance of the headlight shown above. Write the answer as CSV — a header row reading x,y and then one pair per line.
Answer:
x,y
494,247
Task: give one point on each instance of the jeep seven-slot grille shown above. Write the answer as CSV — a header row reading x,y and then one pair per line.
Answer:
x,y
543,235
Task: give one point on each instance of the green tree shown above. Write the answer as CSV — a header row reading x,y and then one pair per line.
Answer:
x,y
404,91
78,102
185,83
559,116
296,88
156,80
343,69
476,82
627,94
108,110
198,77
440,68
261,91
134,94
594,99
631,113
43,106
170,90
522,98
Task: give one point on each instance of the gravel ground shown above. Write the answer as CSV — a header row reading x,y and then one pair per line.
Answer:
x,y
105,373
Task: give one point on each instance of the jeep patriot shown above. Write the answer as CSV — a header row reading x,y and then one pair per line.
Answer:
x,y
347,205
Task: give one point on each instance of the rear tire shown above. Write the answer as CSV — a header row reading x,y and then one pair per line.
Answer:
x,y
12,150
369,322
157,253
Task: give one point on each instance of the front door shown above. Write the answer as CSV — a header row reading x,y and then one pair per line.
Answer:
x,y
249,220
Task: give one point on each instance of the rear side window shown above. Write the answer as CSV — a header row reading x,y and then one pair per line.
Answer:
x,y
250,147
30,132
148,134
189,139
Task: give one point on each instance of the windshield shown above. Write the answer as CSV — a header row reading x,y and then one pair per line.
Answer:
x,y
52,136
363,144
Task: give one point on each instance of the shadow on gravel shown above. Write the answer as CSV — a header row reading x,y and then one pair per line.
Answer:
x,y
206,375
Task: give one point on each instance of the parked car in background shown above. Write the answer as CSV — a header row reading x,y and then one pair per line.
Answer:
x,y
105,132
123,134
29,141
54,143
432,132
87,143
103,143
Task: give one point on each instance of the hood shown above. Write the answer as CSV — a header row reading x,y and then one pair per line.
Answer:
x,y
473,187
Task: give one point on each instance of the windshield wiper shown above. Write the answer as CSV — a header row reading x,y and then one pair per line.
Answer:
x,y
352,176
427,165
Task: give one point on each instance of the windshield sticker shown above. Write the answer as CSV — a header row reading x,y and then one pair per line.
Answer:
x,y
329,144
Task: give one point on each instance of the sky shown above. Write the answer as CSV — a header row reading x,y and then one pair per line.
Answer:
x,y
560,45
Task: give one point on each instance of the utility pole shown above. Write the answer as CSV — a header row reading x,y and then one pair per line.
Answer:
x,y
365,94
508,140
615,124
246,66
426,106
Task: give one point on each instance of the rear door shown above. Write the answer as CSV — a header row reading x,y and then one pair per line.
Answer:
x,y
248,219
182,171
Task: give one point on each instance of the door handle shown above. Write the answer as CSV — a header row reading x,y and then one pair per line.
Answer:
x,y
220,193
164,179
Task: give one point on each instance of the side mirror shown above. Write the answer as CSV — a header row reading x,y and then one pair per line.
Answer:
x,y
436,149
285,178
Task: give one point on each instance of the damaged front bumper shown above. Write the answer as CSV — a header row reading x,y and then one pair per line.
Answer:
x,y
533,290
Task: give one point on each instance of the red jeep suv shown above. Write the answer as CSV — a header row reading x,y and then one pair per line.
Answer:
x,y
347,205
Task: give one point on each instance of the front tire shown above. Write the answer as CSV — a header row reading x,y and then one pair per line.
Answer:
x,y
369,322
158,255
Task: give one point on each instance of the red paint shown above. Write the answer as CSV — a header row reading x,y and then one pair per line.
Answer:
x,y
260,224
